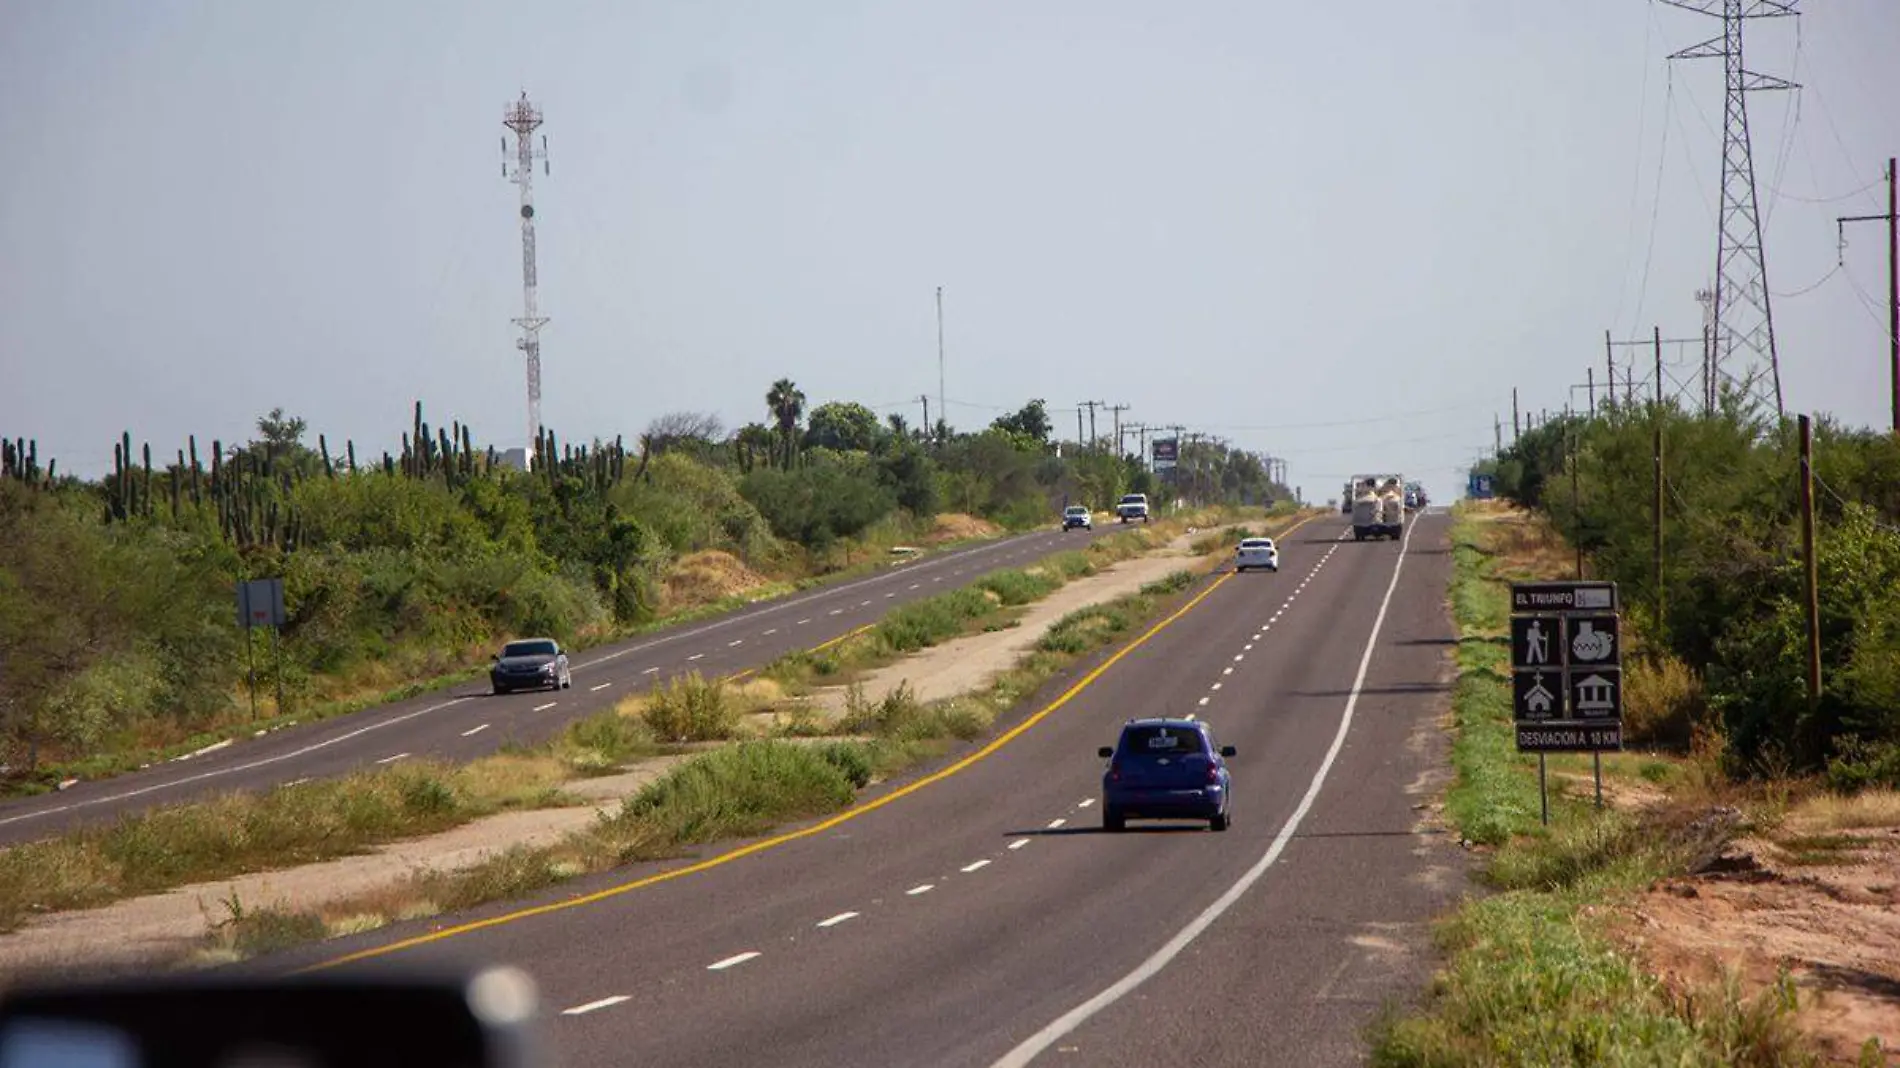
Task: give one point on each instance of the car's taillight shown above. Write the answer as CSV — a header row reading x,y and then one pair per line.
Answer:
x,y
1213,773
1114,773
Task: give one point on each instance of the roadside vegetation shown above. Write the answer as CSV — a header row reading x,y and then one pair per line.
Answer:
x,y
1549,965
789,762
240,833
402,571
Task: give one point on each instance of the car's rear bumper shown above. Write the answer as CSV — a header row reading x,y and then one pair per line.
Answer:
x,y
1166,804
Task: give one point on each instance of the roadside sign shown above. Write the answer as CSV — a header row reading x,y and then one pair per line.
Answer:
x,y
1563,596
1167,452
260,603
1569,738
1567,667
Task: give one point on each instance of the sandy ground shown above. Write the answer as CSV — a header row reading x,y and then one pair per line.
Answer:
x,y
1829,917
167,926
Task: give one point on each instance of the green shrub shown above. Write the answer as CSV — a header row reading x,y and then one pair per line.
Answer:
x,y
740,790
924,623
691,708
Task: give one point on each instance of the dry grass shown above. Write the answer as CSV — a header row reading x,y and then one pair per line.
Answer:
x,y
955,526
1834,812
708,577
1662,701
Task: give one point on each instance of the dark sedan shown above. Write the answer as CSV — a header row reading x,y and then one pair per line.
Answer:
x,y
530,664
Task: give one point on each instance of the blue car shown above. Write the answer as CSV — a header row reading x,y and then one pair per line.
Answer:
x,y
1166,768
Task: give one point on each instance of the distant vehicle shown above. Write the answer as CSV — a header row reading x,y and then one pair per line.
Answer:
x,y
1378,506
530,664
1077,515
1415,497
1165,768
1132,507
1257,552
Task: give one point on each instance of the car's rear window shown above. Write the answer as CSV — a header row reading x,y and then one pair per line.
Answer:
x,y
1134,498
528,649
1078,511
1157,741
1257,543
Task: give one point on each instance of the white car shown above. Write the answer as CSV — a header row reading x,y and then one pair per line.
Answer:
x,y
1077,515
1257,552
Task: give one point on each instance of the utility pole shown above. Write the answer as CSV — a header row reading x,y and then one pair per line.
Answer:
x,y
1743,316
1809,567
1091,406
1892,219
1609,370
1118,409
1516,426
925,397
524,118
1661,603
1706,297
1590,376
1497,432
942,411
1576,498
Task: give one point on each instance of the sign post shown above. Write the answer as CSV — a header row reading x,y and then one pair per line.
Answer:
x,y
1567,673
260,603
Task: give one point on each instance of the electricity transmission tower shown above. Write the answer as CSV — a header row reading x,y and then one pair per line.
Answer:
x,y
1744,323
524,118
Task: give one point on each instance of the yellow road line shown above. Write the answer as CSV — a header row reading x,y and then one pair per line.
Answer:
x,y
846,816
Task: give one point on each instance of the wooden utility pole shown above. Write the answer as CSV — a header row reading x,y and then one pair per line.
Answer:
x,y
1892,219
1117,410
1609,369
1809,567
1661,601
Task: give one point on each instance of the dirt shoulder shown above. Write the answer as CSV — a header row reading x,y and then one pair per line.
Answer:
x,y
175,925
1816,899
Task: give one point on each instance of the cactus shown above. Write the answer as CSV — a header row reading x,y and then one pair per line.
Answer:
x,y
197,489
323,449
349,447
147,491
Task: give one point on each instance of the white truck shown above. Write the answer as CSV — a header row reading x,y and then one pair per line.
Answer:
x,y
1378,506
1132,507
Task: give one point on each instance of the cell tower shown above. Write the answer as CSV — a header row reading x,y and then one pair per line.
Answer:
x,y
524,118
1744,323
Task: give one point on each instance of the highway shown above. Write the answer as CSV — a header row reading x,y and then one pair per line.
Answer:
x,y
467,721
977,915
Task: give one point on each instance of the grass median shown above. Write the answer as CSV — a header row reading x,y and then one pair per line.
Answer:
x,y
1534,972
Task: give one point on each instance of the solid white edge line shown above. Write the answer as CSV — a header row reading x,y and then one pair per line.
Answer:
x,y
833,921
1035,1044
737,958
603,1003
392,759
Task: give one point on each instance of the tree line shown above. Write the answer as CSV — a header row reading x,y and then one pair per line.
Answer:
x,y
1724,600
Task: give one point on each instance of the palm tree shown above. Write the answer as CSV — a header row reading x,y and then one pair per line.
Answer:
x,y
787,405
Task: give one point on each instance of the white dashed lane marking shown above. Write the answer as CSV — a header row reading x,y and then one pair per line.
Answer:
x,y
740,958
392,759
603,1003
473,731
924,889
1019,843
977,866
597,689
544,708
838,919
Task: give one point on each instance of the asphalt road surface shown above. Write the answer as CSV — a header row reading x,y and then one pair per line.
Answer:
x,y
468,722
978,914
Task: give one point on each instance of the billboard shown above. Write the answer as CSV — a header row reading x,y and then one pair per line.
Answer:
x,y
1167,452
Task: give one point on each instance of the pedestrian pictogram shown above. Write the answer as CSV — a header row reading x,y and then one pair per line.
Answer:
x,y
1536,641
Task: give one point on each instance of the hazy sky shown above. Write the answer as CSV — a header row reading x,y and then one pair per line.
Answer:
x,y
1246,217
